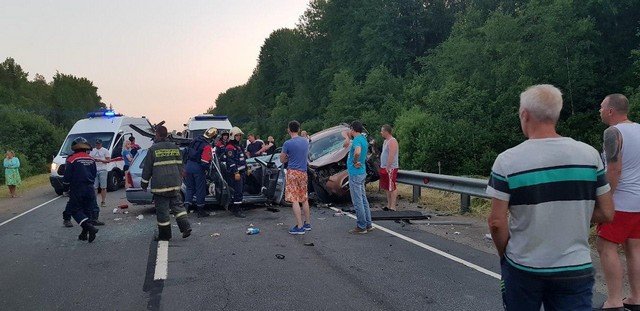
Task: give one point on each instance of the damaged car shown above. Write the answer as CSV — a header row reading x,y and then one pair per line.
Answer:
x,y
328,164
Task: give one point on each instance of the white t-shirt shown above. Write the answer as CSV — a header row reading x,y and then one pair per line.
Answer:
x,y
100,154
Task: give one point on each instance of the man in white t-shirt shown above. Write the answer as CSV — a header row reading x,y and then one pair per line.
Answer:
x,y
102,157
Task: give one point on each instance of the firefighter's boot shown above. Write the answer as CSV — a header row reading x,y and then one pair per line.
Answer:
x,y
88,232
184,225
164,233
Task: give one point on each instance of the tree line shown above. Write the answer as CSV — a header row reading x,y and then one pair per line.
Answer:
x,y
446,74
35,115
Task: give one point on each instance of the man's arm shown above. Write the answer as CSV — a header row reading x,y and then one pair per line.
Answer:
x,y
604,210
499,224
393,150
356,156
347,140
612,147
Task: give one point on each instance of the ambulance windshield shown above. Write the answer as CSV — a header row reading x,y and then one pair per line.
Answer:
x,y
106,138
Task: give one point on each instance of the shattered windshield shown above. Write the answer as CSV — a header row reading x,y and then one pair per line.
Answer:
x,y
325,145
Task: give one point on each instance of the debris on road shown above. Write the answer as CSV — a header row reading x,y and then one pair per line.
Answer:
x,y
456,233
273,209
253,231
279,256
118,210
338,214
322,218
140,217
117,219
443,223
280,224
123,206
215,235
309,244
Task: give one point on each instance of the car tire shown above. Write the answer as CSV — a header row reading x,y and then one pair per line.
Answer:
x,y
113,181
321,193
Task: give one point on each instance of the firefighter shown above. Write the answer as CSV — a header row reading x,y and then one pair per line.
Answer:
x,y
199,156
221,144
163,166
236,165
79,176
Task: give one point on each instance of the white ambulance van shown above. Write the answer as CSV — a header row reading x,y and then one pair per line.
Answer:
x,y
113,129
196,126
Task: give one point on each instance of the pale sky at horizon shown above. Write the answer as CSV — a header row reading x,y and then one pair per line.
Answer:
x,y
167,60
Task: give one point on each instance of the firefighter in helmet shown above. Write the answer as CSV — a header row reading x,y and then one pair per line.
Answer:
x,y
236,166
199,156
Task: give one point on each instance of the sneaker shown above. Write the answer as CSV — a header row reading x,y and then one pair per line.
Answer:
x,y
103,204
370,228
306,226
357,230
296,230
67,223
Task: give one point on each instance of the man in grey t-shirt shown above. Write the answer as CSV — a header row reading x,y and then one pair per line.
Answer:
x,y
553,187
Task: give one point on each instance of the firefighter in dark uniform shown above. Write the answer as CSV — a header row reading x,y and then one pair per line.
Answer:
x,y
221,144
199,156
79,176
236,165
163,167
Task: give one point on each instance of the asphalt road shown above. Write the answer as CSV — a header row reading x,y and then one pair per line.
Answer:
x,y
45,267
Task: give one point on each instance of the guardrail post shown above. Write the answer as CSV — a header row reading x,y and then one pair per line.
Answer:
x,y
465,203
416,193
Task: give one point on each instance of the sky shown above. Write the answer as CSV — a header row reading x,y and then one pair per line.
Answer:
x,y
166,60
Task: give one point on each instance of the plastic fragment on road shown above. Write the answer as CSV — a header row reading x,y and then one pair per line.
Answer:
x,y
322,218
116,210
280,224
309,244
253,231
456,233
140,217
215,235
117,219
279,256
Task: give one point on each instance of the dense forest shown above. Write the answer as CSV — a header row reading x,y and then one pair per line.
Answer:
x,y
446,73
35,114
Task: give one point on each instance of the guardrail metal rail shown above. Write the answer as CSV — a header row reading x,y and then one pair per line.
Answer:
x,y
465,186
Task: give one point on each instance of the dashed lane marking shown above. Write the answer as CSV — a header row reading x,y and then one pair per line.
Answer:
x,y
431,248
162,258
29,211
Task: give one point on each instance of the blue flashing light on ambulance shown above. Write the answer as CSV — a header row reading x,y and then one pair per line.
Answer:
x,y
113,129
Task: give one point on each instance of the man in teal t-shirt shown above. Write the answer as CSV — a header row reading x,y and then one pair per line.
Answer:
x,y
356,166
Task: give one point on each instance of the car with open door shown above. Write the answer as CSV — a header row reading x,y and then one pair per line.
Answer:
x,y
264,182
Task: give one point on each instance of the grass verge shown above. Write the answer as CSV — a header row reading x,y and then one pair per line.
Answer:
x,y
27,183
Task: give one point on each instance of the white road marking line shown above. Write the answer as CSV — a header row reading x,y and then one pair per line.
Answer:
x,y
431,248
29,211
162,258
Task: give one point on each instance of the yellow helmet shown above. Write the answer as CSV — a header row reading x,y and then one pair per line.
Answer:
x,y
210,133
235,131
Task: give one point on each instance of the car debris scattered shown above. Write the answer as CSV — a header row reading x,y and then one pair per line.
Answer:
x,y
140,217
279,256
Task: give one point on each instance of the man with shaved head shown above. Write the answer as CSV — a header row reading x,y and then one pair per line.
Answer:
x,y
622,156
552,187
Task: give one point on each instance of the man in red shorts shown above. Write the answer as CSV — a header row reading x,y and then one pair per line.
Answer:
x,y
295,152
389,167
622,154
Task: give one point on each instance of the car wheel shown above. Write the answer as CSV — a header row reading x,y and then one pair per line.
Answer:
x,y
321,193
113,181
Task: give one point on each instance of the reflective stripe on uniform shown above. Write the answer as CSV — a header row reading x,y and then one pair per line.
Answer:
x,y
164,223
80,223
170,162
181,214
241,168
166,189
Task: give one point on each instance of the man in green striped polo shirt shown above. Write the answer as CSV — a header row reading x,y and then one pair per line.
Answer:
x,y
552,187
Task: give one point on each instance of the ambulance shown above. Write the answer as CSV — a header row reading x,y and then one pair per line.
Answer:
x,y
113,129
196,126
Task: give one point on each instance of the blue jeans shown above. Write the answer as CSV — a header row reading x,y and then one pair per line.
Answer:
x,y
359,199
524,291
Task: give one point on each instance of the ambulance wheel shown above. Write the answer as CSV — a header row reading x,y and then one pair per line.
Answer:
x,y
113,181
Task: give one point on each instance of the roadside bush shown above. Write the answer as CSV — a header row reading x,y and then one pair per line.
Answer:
x,y
34,139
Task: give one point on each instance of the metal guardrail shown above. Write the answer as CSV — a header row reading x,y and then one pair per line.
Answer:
x,y
466,187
